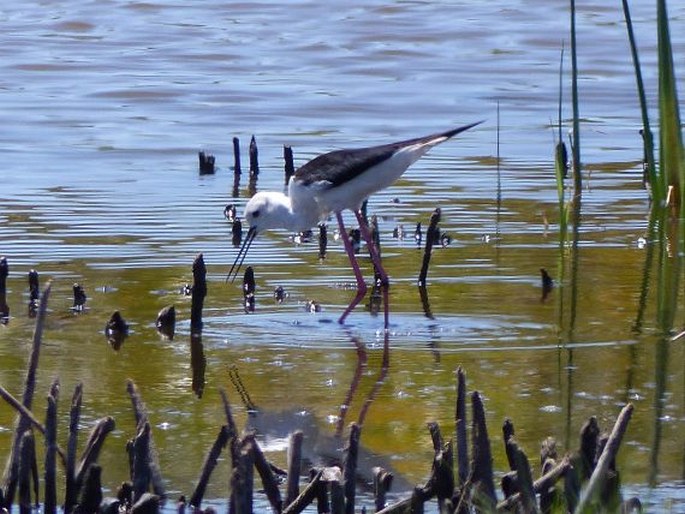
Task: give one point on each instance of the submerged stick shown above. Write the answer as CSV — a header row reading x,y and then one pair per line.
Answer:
x,y
337,497
323,505
236,232
139,410
266,474
543,483
436,436
307,496
4,308
79,298
442,476
249,287
430,238
254,157
510,450
93,446
289,163
232,427
460,428
235,192
382,482
27,454
141,419
323,240
147,504
71,491
208,466
411,505
236,157
141,476
350,467
34,292
166,322
588,494
294,465
23,411
23,423
50,502
90,494
589,436
482,458
524,478
198,364
242,480
425,304
206,162
198,294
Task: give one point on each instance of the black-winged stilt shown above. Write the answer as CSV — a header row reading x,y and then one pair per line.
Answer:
x,y
331,183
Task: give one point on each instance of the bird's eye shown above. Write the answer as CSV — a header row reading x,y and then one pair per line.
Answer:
x,y
255,214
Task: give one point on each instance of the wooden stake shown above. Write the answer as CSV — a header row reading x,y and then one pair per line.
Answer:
x,y
294,466
350,467
589,493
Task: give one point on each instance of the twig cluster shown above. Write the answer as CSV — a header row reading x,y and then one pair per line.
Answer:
x,y
589,477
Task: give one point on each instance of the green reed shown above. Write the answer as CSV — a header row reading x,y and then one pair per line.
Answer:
x,y
671,176
667,180
575,143
569,211
561,163
671,165
648,139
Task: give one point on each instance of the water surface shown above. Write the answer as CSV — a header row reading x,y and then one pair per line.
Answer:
x,y
105,105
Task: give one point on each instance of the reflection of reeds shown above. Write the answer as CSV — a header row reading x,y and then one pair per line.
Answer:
x,y
668,271
667,183
671,172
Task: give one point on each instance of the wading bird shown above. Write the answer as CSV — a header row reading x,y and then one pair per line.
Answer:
x,y
331,183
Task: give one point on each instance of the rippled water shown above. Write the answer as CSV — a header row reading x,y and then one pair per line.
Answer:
x,y
105,105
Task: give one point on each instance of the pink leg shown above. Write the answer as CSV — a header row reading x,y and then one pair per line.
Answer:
x,y
376,259
361,285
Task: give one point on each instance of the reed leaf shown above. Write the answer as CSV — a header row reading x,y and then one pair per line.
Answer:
x,y
577,179
656,187
670,137
561,161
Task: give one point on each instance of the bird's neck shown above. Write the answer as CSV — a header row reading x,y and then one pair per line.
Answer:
x,y
295,220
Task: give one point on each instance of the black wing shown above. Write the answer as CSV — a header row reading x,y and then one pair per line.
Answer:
x,y
341,166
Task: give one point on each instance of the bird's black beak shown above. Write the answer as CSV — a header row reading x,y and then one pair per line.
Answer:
x,y
251,234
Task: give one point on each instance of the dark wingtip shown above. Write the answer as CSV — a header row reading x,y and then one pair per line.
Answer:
x,y
463,128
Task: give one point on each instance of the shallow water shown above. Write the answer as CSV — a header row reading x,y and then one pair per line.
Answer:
x,y
105,105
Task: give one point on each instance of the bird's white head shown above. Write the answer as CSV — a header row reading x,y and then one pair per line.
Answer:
x,y
263,211
267,210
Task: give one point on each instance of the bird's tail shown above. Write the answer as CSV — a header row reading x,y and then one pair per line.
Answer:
x,y
414,149
444,136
